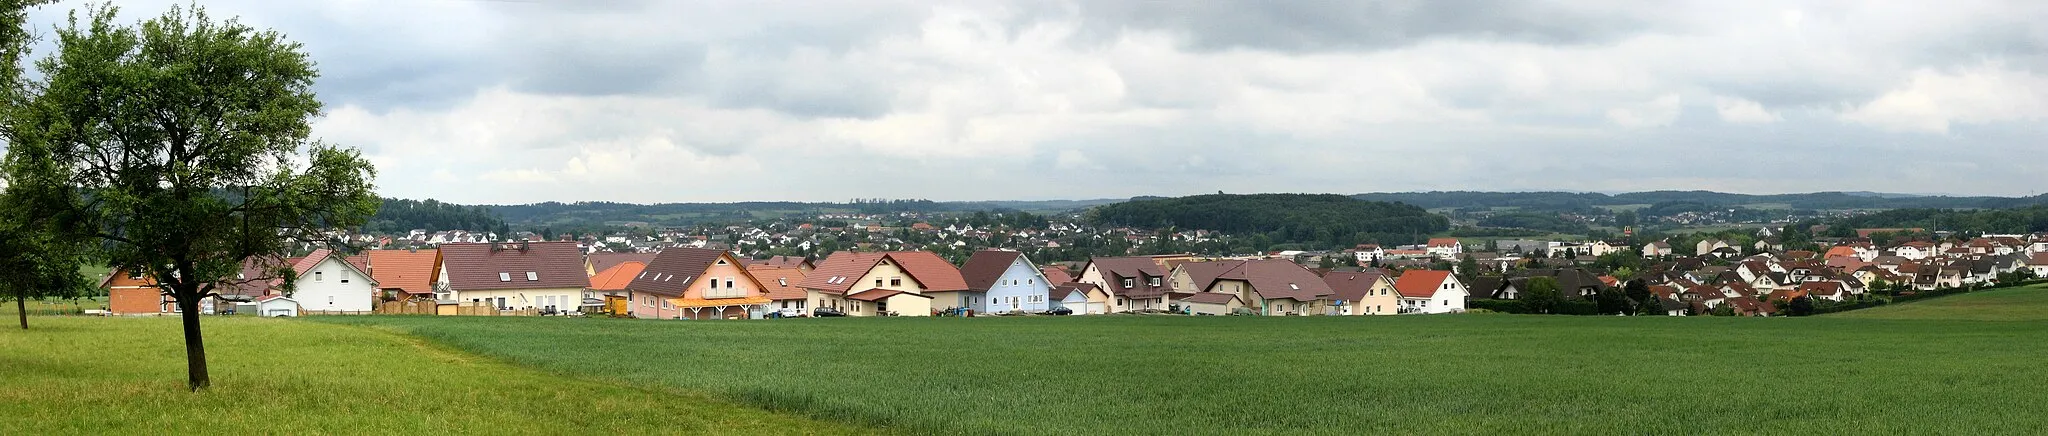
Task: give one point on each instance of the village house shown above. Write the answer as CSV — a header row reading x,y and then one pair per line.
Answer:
x,y
1270,286
780,283
1212,303
608,287
599,262
1708,246
1430,291
1081,298
548,276
881,283
404,274
1657,249
1005,281
1445,248
1362,293
1369,253
695,283
328,283
1131,283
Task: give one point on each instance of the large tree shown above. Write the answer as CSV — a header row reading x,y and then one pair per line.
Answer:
x,y
1541,295
34,262
181,147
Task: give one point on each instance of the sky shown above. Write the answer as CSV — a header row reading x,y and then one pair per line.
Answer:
x,y
519,101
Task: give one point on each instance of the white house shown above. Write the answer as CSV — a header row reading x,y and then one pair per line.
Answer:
x,y
1369,253
1430,291
327,282
277,305
1081,298
1006,281
1708,246
1659,248
1445,248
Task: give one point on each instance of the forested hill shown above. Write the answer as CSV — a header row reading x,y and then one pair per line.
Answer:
x,y
1326,220
399,216
1576,201
2020,220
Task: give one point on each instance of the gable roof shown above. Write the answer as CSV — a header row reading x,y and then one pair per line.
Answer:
x,y
1138,269
673,270
781,282
599,262
406,270
474,266
1211,298
1276,279
782,262
1061,291
986,266
1204,274
932,272
617,277
837,272
1420,283
1352,286
1443,242
1056,275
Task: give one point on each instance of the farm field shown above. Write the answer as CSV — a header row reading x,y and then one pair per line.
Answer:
x,y
2016,304
80,375
1328,375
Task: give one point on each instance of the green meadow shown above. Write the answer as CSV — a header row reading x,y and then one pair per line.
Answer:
x,y
1968,364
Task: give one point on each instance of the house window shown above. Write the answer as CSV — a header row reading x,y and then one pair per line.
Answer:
x,y
878,283
317,277
728,283
896,281
1154,281
1128,283
714,283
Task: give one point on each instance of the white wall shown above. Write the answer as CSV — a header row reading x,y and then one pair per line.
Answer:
x,y
333,285
564,299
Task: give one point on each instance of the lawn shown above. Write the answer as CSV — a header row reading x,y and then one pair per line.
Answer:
x,y
2014,304
1353,375
89,375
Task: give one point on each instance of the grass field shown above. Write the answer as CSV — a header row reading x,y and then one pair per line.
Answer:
x,y
2019,304
1242,375
78,375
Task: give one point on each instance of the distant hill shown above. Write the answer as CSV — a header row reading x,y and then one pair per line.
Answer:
x,y
1325,220
1579,201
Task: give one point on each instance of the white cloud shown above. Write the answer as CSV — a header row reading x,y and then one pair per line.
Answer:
x,y
1654,113
1932,100
1736,110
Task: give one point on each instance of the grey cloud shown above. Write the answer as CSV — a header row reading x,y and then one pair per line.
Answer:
x,y
1337,25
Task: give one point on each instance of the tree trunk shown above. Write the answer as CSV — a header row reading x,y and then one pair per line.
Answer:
x,y
21,305
195,346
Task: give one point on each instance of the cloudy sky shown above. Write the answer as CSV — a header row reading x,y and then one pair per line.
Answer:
x,y
512,101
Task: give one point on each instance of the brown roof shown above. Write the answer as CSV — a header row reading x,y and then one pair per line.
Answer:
x,y
1275,279
674,269
617,277
1204,274
1138,269
1060,292
599,262
1352,286
1210,297
1821,288
781,262
780,282
406,270
837,272
473,267
1443,242
931,271
986,266
1420,283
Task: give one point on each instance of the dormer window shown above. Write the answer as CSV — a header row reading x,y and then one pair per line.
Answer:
x,y
532,276
1128,283
504,277
1154,281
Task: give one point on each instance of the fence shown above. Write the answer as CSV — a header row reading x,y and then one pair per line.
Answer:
x,y
487,310
408,308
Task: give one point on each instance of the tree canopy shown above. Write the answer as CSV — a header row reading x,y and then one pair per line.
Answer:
x,y
181,146
1319,220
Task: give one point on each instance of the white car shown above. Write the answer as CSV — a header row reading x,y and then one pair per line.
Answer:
x,y
791,312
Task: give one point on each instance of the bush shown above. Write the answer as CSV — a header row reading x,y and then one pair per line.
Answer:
x,y
1502,306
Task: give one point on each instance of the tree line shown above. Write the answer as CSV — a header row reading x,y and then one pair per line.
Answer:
x,y
1313,220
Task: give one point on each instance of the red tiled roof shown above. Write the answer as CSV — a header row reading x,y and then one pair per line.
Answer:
x,y
1056,275
780,261
1420,283
987,266
780,282
412,271
618,277
473,266
1821,288
1443,242
1841,251
930,271
878,294
837,272
604,261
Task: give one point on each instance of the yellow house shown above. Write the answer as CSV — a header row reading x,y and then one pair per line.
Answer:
x,y
1363,293
696,283
515,275
881,284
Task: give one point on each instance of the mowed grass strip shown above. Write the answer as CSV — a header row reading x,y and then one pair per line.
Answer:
x,y
77,375
2011,304
1319,375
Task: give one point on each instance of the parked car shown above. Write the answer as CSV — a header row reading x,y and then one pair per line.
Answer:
x,y
1060,311
823,312
790,312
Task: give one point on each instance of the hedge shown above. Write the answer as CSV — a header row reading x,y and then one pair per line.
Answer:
x,y
1502,306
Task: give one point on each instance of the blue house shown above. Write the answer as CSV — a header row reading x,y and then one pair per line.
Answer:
x,y
1009,282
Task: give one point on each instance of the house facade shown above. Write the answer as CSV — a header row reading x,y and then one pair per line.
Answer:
x,y
695,283
1130,283
514,275
1362,293
328,283
1006,281
881,283
1430,291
